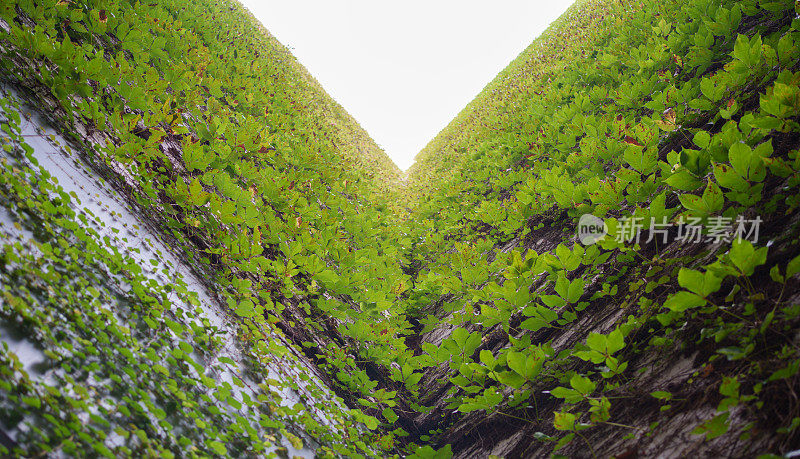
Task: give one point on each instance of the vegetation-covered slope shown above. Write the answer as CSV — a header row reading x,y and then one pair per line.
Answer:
x,y
257,177
474,322
646,344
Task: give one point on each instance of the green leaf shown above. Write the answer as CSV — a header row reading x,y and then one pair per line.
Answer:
x,y
710,90
534,323
606,344
714,427
728,177
746,258
658,210
327,277
553,301
520,297
793,267
433,351
683,180
702,139
711,201
511,378
195,156
472,343
593,356
712,197
662,395
682,301
390,415
775,274
32,401
487,358
746,162
562,285
729,387
217,447
564,441
582,384
460,335
246,309
735,353
516,361
569,395
575,290
741,49
597,342
699,283
792,369
370,422
470,407
491,398
641,159
615,341
564,421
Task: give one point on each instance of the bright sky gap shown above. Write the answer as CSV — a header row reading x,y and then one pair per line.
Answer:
x,y
405,69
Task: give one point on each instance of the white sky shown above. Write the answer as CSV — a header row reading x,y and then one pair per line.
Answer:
x,y
405,69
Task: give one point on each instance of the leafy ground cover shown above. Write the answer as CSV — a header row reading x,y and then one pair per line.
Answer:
x,y
455,312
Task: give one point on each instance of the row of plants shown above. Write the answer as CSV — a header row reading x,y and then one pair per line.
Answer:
x,y
253,173
123,364
664,112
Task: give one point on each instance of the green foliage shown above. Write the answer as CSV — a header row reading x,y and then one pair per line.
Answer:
x,y
675,116
663,111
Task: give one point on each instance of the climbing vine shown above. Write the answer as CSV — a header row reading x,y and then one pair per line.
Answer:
x,y
460,295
